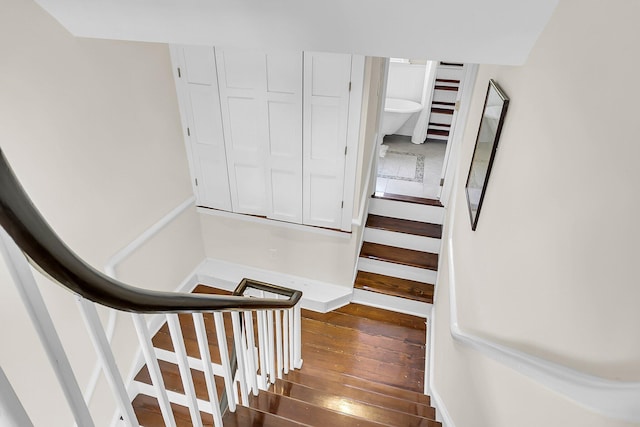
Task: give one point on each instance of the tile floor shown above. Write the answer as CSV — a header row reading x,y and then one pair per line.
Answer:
x,y
410,169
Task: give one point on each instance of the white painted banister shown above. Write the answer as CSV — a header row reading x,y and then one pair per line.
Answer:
x,y
185,371
12,413
203,346
107,361
154,369
30,294
613,399
224,360
110,270
242,368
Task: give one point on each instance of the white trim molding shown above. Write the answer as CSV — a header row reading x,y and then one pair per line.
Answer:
x,y
613,399
110,270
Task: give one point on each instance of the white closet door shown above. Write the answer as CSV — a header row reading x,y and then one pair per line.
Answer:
x,y
241,75
261,97
284,117
199,100
326,103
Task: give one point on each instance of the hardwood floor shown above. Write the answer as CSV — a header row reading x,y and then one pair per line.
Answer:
x,y
363,366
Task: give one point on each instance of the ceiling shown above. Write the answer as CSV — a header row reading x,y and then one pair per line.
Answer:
x,y
475,31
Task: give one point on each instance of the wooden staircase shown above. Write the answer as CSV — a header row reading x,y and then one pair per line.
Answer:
x,y
362,367
399,256
443,104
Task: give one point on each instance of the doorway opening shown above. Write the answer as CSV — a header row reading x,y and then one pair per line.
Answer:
x,y
413,155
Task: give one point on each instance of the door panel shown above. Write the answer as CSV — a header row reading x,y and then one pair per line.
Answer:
x,y
251,187
197,89
261,97
284,121
242,87
326,102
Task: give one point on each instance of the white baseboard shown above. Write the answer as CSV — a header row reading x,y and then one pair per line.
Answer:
x,y
407,272
316,295
401,305
442,414
405,210
402,240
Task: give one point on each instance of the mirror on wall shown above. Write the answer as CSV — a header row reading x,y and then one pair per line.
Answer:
x,y
495,108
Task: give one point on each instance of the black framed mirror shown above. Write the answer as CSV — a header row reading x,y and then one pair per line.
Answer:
x,y
495,108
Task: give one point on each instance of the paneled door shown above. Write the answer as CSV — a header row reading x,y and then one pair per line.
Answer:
x,y
198,95
261,101
327,78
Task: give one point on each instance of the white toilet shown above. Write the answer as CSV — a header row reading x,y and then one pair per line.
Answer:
x,y
396,113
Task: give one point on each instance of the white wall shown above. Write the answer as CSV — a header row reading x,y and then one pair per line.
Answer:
x,y
551,268
92,130
406,81
496,31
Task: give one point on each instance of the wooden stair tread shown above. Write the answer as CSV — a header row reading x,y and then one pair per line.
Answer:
x,y
147,411
405,226
173,380
448,88
439,132
305,413
338,319
441,110
245,417
329,393
402,256
382,315
408,199
394,286
162,339
448,81
345,405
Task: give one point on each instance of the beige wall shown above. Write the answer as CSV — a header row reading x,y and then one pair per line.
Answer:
x,y
551,267
92,130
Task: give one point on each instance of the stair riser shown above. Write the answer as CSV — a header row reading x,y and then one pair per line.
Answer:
x,y
388,302
397,270
403,210
402,240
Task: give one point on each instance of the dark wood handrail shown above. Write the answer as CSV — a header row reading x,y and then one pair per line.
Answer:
x,y
24,223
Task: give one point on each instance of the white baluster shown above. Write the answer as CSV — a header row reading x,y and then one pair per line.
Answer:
x,y
279,343
203,345
298,336
39,315
262,350
107,361
154,369
237,337
272,355
285,340
185,371
292,339
221,334
251,354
